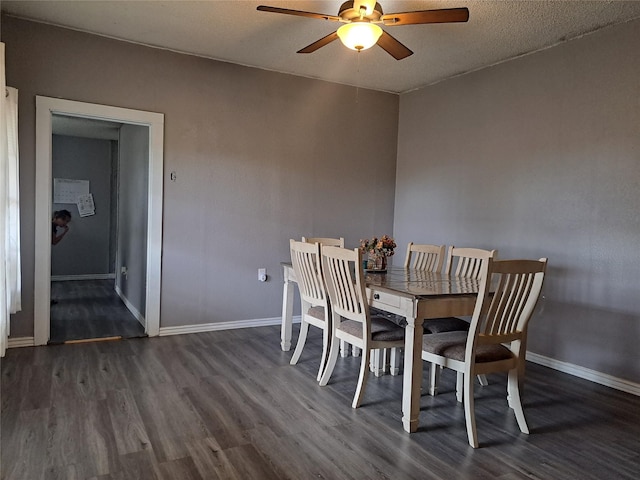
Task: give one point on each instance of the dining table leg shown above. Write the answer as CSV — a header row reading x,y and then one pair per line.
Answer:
x,y
287,314
412,377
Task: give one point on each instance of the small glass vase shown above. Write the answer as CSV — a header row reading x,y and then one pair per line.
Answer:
x,y
377,263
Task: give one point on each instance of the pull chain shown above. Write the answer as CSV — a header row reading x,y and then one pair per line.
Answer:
x,y
358,76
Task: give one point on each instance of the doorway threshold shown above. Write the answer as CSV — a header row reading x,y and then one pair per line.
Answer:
x,y
100,339
97,339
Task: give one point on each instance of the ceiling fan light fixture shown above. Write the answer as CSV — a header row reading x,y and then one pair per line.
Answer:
x,y
359,35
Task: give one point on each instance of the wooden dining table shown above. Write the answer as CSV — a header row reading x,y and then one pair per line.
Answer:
x,y
414,294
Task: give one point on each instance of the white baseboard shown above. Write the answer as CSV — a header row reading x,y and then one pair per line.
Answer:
x,y
18,342
90,276
180,330
134,311
212,327
586,373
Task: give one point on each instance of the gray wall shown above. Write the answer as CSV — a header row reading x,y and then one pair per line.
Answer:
x,y
85,249
260,157
133,189
113,214
540,157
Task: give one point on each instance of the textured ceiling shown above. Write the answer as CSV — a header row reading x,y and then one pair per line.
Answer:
x,y
234,31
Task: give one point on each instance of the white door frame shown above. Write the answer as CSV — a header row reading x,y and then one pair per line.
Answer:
x,y
45,107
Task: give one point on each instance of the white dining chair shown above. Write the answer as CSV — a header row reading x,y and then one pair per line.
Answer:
x,y
423,257
496,340
351,320
315,308
333,242
461,262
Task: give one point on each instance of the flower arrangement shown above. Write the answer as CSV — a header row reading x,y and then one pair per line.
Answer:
x,y
379,247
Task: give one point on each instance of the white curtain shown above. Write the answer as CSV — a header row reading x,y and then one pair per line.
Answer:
x,y
10,277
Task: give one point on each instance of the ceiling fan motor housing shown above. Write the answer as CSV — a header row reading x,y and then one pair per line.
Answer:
x,y
348,12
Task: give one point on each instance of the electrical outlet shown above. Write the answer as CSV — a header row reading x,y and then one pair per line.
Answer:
x,y
262,274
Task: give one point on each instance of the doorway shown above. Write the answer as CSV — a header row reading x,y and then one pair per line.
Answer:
x,y
148,263
91,297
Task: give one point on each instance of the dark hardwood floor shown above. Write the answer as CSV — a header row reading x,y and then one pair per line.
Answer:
x,y
227,405
89,309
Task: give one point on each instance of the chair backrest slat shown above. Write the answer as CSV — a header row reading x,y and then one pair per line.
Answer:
x,y
469,261
520,292
508,294
345,282
307,266
425,257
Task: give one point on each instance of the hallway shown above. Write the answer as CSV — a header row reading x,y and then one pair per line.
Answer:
x,y
90,309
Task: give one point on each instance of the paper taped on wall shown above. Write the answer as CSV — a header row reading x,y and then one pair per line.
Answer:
x,y
86,207
66,190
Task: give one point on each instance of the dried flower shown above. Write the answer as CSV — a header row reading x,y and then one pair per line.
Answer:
x,y
384,245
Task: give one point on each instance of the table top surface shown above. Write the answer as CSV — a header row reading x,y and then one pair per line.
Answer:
x,y
418,283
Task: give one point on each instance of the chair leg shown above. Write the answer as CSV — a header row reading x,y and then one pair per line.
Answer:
x,y
362,379
513,387
376,362
344,349
521,368
434,377
331,362
385,354
469,410
460,386
394,361
325,351
482,378
302,338
356,351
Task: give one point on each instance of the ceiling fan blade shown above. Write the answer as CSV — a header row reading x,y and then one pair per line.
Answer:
x,y
300,13
445,15
393,47
320,43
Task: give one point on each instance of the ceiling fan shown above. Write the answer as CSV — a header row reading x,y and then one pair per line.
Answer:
x,y
361,31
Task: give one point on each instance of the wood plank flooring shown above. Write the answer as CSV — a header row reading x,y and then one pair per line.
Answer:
x,y
90,309
227,405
